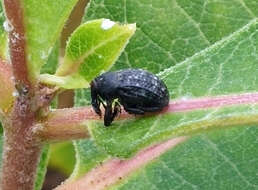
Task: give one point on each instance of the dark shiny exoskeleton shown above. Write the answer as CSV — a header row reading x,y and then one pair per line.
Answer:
x,y
137,90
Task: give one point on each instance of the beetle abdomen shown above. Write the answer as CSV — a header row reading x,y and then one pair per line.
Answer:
x,y
140,89
141,82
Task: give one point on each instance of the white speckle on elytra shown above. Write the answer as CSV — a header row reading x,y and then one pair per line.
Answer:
x,y
107,24
100,56
7,26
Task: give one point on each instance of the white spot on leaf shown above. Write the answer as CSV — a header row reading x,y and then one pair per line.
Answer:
x,y
107,24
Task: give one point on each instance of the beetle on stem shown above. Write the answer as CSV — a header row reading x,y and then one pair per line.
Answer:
x,y
138,91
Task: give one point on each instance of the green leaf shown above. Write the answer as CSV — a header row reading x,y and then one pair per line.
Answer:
x,y
169,31
214,71
44,22
42,168
88,156
221,159
62,157
52,62
200,49
92,49
3,35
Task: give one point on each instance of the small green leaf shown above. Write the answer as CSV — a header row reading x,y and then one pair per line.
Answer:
x,y
68,82
92,49
44,21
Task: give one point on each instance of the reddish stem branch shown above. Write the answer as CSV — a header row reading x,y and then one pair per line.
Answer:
x,y
212,102
70,123
17,43
67,124
113,171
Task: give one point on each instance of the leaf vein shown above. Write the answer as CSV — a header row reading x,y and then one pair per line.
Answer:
x,y
178,175
227,160
197,25
163,74
242,2
156,43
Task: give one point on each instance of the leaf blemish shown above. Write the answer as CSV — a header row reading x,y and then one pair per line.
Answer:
x,y
107,24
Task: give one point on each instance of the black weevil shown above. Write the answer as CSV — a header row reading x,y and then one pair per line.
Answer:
x,y
137,90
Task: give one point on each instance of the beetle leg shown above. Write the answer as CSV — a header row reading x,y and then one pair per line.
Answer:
x,y
103,104
95,101
117,109
108,117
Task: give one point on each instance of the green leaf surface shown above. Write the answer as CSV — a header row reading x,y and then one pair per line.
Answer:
x,y
169,31
3,35
92,49
42,168
200,49
216,160
62,157
52,62
88,156
44,21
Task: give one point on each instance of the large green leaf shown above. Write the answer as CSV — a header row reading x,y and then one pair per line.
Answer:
x,y
219,160
199,48
44,21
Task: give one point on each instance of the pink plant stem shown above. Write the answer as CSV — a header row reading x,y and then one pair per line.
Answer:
x,y
212,102
20,157
70,123
114,170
